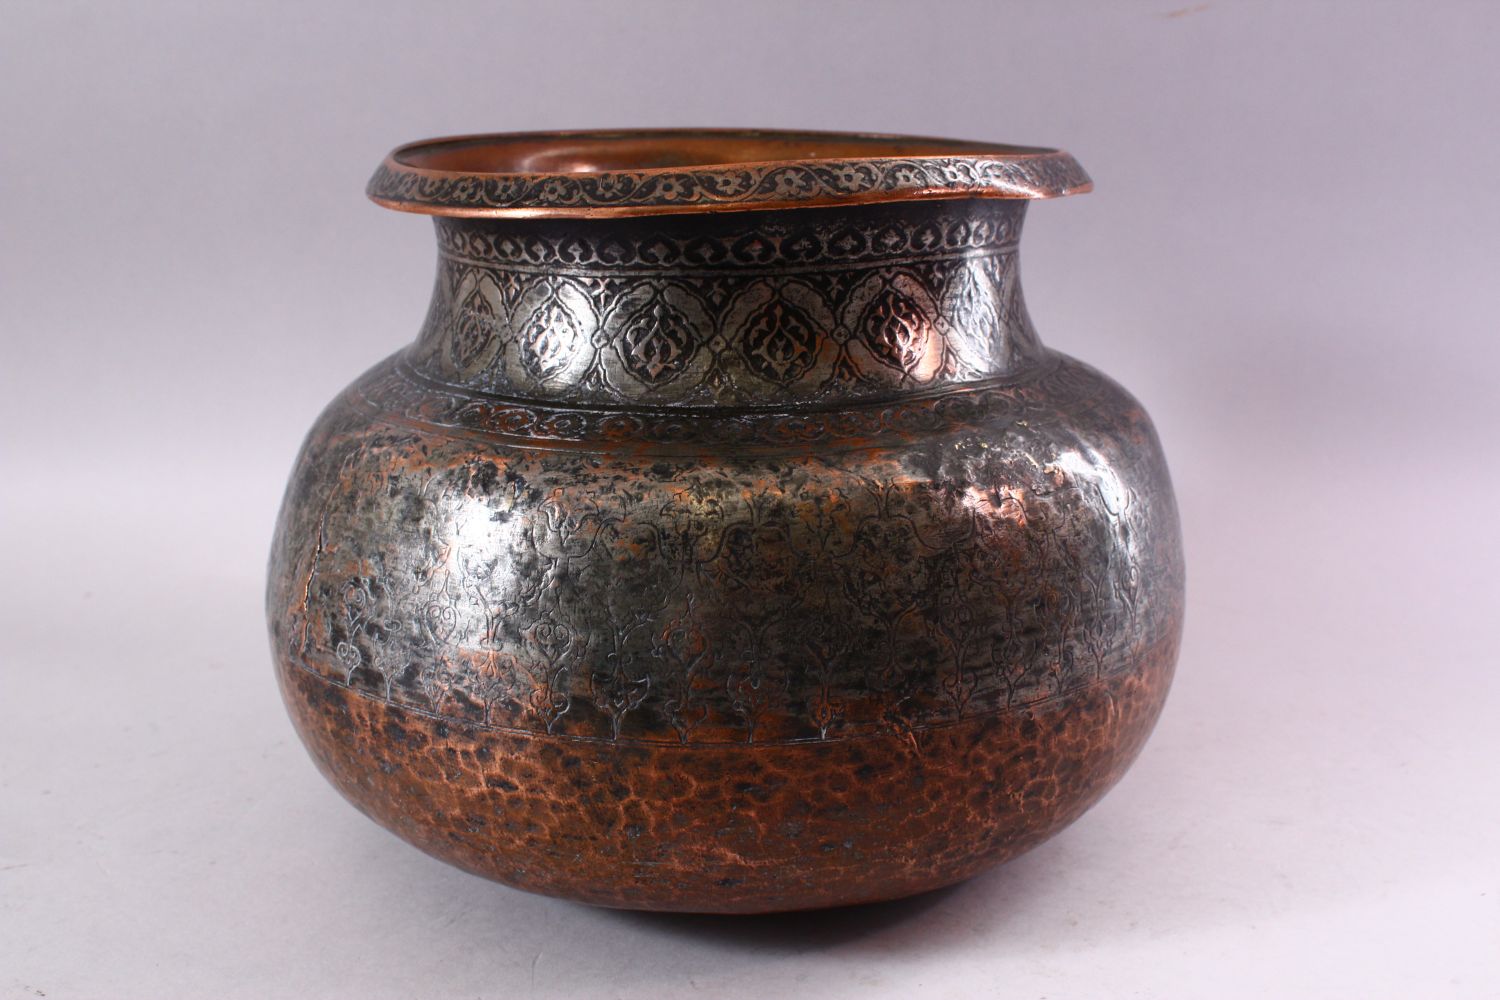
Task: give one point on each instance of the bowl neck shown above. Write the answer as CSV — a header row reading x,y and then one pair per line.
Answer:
x,y
760,308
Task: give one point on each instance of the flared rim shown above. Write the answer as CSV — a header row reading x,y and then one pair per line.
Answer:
x,y
669,171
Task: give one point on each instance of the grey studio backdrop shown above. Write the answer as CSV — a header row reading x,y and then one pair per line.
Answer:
x,y
1290,257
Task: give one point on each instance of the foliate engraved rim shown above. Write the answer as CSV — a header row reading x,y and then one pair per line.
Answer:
x,y
960,170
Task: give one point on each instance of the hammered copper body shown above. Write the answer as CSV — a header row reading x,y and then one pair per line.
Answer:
x,y
726,541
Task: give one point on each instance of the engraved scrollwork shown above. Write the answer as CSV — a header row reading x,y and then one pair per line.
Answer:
x,y
1031,175
741,315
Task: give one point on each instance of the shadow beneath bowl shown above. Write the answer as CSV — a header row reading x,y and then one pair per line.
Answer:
x,y
798,931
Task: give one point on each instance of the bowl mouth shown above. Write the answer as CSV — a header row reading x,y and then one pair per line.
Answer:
x,y
669,171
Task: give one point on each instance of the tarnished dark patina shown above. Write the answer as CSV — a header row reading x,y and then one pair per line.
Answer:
x,y
727,541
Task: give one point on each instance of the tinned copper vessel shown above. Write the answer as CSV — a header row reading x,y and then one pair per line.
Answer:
x,y
727,540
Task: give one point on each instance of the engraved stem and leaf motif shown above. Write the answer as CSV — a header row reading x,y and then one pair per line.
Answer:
x,y
780,342
656,342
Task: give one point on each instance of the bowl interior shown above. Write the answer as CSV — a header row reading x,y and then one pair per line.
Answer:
x,y
598,152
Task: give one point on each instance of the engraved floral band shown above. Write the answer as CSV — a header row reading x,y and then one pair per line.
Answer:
x,y
607,173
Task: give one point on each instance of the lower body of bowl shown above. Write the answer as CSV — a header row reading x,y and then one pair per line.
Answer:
x,y
730,827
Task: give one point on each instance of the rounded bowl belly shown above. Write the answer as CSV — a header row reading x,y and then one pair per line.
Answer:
x,y
758,664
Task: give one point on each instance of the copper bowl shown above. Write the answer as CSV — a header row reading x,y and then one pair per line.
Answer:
x,y
727,540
